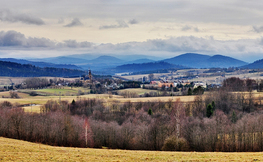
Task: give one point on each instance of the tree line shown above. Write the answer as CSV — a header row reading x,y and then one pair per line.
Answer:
x,y
219,121
12,69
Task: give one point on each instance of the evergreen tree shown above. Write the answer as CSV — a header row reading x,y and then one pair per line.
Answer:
x,y
189,91
73,102
234,117
150,112
209,110
213,105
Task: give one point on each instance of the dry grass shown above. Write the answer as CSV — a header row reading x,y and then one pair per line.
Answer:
x,y
40,100
15,150
155,99
138,91
34,109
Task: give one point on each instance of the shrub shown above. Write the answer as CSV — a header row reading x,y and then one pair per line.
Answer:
x,y
33,93
13,94
172,143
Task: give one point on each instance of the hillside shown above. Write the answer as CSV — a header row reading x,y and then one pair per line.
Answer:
x,y
40,64
223,62
18,70
255,65
62,60
140,61
204,61
16,150
188,59
147,67
106,59
102,62
126,57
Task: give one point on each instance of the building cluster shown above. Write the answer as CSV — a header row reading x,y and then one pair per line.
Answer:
x,y
168,84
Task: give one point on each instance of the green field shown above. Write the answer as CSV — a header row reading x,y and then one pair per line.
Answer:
x,y
16,150
63,91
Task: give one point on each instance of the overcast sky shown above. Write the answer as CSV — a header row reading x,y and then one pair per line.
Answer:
x,y
166,28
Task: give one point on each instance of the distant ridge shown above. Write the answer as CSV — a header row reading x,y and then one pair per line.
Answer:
x,y
40,64
140,61
255,65
62,60
12,69
195,60
147,67
106,59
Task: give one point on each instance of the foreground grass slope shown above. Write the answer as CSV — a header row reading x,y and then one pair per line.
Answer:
x,y
15,150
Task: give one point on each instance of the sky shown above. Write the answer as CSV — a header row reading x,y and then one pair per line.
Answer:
x,y
163,28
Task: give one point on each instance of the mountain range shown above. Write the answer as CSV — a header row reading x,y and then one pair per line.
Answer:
x,y
110,64
194,60
150,66
13,69
41,64
255,65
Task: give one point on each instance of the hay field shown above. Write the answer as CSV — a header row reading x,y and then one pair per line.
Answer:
x,y
155,99
138,91
33,108
16,150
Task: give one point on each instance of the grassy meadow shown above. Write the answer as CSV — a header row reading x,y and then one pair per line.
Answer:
x,y
16,150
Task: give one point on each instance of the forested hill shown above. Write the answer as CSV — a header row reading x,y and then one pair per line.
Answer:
x,y
40,64
18,70
147,67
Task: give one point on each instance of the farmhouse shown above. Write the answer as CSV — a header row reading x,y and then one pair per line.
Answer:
x,y
166,84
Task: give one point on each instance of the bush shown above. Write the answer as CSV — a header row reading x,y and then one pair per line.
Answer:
x,y
172,143
33,93
13,94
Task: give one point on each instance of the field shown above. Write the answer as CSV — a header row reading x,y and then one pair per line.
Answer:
x,y
15,150
33,108
40,100
138,91
63,91
17,80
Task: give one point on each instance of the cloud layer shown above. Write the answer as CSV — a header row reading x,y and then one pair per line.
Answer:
x,y
121,24
173,45
16,39
7,15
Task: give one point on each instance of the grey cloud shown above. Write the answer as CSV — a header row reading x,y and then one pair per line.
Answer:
x,y
186,28
16,39
133,21
75,44
12,38
258,29
240,12
74,22
121,24
172,45
8,16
